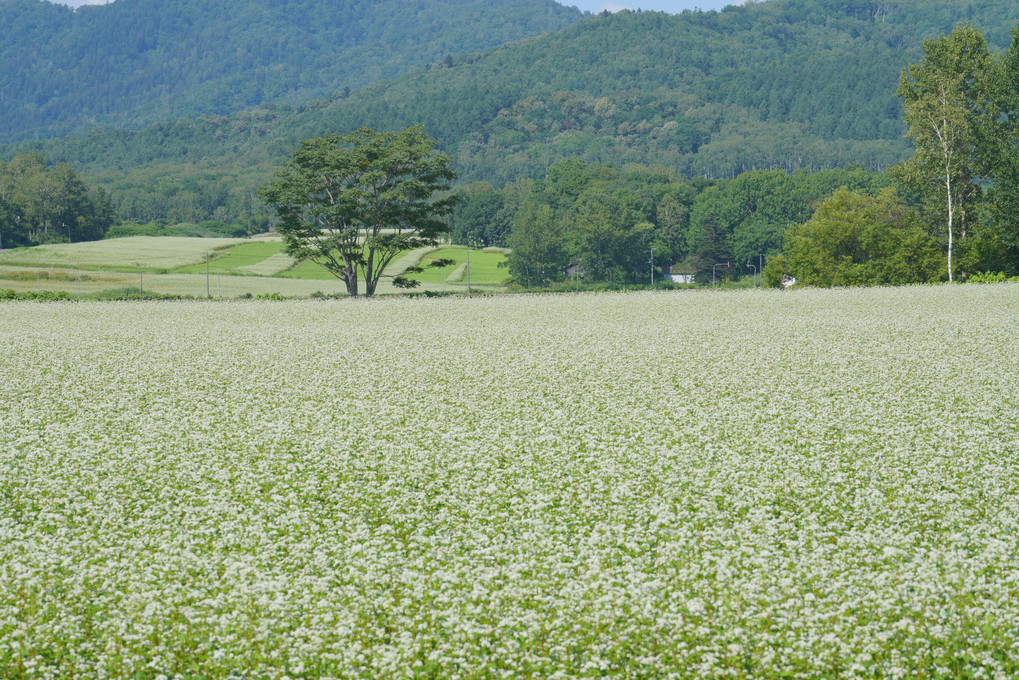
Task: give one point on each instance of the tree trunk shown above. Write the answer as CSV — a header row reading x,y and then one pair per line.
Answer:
x,y
370,278
948,187
350,279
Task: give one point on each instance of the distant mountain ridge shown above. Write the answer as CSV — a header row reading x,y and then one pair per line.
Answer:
x,y
136,62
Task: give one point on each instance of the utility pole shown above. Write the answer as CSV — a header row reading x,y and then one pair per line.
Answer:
x,y
207,293
468,270
720,264
652,266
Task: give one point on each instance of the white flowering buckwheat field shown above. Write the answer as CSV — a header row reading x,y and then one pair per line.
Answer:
x,y
799,484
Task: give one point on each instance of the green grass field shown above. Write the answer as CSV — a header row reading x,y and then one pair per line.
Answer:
x,y
134,253
307,270
177,266
484,268
236,257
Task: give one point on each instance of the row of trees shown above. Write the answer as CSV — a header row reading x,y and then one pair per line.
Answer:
x,y
46,204
610,222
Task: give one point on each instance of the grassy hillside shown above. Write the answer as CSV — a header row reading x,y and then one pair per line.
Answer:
x,y
133,62
258,266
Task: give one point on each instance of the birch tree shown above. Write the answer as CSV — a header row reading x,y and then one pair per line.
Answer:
x,y
952,122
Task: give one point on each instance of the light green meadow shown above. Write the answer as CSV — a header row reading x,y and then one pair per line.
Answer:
x,y
177,266
241,257
485,269
133,253
688,484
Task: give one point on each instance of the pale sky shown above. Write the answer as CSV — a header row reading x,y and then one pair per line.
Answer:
x,y
673,6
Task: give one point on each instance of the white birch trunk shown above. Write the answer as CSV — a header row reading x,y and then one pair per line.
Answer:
x,y
948,188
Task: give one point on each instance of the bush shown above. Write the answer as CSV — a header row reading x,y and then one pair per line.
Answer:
x,y
132,229
44,296
991,277
131,293
572,286
206,229
776,268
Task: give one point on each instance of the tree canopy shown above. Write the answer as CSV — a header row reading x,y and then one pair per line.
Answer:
x,y
40,203
959,102
854,239
133,63
953,122
353,202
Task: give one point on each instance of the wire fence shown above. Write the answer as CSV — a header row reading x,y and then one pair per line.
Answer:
x,y
90,284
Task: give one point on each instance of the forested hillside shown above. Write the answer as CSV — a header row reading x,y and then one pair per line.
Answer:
x,y
135,62
784,84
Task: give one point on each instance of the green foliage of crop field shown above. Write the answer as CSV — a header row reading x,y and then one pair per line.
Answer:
x,y
754,484
309,270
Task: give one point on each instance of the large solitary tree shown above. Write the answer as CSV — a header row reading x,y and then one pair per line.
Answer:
x,y
353,202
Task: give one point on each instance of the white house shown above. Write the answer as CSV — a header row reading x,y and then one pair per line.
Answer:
x,y
681,275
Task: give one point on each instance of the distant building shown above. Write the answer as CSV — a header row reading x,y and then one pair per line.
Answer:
x,y
571,270
679,274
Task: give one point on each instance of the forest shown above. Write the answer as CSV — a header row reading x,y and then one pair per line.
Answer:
x,y
784,84
946,212
40,203
693,139
135,62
